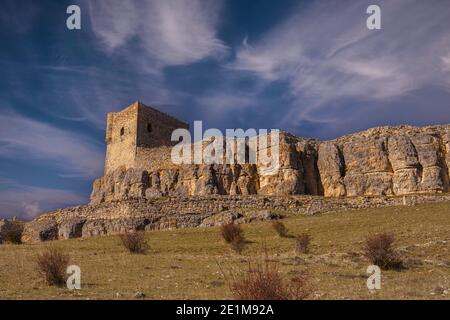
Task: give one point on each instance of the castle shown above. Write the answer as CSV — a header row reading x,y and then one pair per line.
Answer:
x,y
134,135
142,190
380,161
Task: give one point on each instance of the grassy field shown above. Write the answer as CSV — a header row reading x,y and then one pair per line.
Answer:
x,y
187,263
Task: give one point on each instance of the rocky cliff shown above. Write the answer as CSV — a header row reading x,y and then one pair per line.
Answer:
x,y
366,169
380,161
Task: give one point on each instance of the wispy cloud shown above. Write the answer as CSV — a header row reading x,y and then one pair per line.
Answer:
x,y
26,202
159,32
73,154
446,62
225,101
325,53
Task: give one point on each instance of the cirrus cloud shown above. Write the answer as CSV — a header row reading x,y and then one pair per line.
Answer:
x,y
174,32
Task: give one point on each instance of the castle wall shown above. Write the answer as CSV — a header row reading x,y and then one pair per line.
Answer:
x,y
139,137
121,139
154,159
155,128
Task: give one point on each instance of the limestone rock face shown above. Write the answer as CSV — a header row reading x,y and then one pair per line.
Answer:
x,y
380,161
430,151
368,171
405,165
446,149
331,167
409,161
71,228
40,230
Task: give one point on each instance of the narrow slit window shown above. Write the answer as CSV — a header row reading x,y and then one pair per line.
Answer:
x,y
122,131
149,127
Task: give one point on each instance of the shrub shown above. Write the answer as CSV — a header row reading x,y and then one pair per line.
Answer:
x,y
378,249
52,264
280,228
233,235
13,235
302,243
231,232
264,282
134,242
238,244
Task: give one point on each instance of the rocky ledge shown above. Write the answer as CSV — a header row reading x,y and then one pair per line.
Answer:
x,y
380,161
202,211
378,167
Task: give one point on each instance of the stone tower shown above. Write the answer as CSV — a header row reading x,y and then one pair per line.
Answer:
x,y
138,136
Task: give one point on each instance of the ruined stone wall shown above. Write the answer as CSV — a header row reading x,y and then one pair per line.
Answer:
x,y
380,161
139,137
153,159
121,139
154,128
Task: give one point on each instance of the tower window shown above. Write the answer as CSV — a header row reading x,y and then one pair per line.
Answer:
x,y
122,131
149,127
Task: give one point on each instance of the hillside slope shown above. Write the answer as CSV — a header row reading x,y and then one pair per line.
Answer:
x,y
186,263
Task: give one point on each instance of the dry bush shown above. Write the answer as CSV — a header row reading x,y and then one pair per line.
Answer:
x,y
378,249
13,235
262,281
238,244
302,242
135,242
52,264
231,232
280,228
233,235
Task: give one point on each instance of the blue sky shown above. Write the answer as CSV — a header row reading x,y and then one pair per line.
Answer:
x,y
308,67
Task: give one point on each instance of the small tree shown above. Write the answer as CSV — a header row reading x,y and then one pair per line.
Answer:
x,y
233,235
302,242
13,235
280,228
52,264
135,242
262,281
378,249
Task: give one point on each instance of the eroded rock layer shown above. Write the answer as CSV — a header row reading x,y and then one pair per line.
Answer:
x,y
380,161
116,217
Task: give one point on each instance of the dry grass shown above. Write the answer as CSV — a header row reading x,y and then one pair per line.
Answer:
x,y
183,262
52,265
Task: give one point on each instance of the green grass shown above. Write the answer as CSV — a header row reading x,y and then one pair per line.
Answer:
x,y
187,263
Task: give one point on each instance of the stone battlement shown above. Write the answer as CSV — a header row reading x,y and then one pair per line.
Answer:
x,y
133,133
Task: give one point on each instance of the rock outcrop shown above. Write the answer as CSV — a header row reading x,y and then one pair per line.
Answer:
x,y
365,169
380,161
114,217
